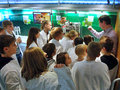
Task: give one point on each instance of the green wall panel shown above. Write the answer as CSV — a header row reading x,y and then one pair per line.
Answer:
x,y
16,16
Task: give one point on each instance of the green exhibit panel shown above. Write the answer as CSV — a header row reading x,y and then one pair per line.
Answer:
x,y
25,19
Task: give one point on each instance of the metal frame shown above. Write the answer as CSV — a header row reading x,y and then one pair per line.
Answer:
x,y
113,83
113,8
56,5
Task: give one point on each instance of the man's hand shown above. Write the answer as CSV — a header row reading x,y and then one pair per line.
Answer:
x,y
90,28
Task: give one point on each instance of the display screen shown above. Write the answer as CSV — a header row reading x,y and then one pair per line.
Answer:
x,y
41,16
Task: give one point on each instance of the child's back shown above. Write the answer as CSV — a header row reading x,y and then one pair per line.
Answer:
x,y
112,64
108,58
91,75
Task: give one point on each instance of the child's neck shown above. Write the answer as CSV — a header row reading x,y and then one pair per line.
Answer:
x,y
4,55
45,30
80,58
57,39
107,27
107,53
90,58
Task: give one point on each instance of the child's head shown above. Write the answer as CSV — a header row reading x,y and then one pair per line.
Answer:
x,y
93,49
107,44
88,39
57,33
2,31
7,45
63,20
34,63
103,38
78,40
63,58
34,33
72,34
46,25
80,50
50,49
8,25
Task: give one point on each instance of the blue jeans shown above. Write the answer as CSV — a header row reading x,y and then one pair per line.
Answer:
x,y
19,57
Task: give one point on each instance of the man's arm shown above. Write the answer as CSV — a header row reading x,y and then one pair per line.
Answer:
x,y
95,33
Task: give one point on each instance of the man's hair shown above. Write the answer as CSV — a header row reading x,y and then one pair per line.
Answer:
x,y
93,49
60,59
56,31
49,48
5,23
107,43
105,18
88,39
78,40
80,49
5,41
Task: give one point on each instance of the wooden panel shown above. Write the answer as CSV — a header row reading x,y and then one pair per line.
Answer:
x,y
117,29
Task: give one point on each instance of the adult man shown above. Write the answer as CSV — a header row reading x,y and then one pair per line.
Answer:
x,y
105,24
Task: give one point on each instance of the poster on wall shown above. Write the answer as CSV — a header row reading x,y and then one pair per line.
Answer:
x,y
4,17
40,16
26,20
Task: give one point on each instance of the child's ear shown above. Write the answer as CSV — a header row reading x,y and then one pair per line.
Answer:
x,y
54,53
5,49
103,49
104,22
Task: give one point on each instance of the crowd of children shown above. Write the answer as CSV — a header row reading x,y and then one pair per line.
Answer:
x,y
54,61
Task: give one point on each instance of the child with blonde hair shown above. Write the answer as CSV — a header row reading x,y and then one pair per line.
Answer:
x,y
57,34
71,51
81,52
67,41
44,34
